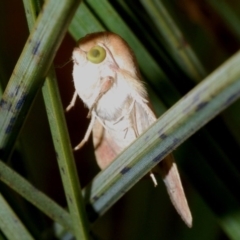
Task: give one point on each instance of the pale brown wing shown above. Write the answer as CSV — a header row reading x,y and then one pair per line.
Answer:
x,y
167,168
169,172
105,151
107,148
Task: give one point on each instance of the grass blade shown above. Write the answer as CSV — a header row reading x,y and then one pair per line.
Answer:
x,y
31,68
10,224
63,149
174,39
34,196
65,157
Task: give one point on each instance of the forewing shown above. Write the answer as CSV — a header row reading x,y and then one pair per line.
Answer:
x,y
143,116
105,149
167,168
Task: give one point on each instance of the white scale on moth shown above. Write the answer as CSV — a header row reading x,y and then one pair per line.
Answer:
x,y
107,79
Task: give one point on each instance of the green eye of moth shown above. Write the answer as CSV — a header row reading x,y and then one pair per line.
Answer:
x,y
96,54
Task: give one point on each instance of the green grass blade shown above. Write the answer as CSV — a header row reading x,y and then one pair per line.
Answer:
x,y
228,14
10,225
32,9
230,223
65,157
34,196
86,20
63,149
32,67
174,40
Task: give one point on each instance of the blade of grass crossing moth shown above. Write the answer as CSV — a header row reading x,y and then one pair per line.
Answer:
x,y
194,110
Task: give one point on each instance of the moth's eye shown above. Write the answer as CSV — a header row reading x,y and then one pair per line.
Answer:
x,y
96,54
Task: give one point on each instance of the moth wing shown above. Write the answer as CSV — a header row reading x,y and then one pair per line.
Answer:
x,y
108,146
166,168
142,116
105,149
171,178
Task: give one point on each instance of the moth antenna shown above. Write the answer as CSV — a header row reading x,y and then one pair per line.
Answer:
x,y
87,134
64,64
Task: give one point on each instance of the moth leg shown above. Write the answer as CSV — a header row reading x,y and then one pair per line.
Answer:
x,y
152,176
94,104
87,134
107,84
73,101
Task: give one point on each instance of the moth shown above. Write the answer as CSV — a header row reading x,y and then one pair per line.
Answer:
x,y
107,79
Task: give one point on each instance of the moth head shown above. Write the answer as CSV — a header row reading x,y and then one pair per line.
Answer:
x,y
105,48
